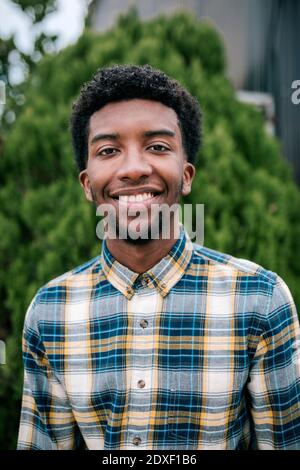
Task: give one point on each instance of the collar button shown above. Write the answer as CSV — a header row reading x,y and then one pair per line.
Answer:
x,y
145,281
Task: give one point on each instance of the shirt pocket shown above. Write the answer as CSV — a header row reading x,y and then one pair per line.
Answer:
x,y
184,409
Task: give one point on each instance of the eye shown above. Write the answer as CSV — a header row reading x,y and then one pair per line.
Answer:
x,y
159,148
107,151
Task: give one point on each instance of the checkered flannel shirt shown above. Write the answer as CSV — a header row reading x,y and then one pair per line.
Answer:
x,y
199,352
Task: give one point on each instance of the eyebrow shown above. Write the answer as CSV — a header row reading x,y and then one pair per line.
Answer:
x,y
115,136
159,132
98,137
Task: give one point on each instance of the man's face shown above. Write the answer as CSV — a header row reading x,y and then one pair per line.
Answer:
x,y
135,158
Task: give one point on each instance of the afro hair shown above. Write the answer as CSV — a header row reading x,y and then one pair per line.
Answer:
x,y
124,82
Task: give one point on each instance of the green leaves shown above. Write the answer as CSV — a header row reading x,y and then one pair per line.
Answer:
x,y
47,227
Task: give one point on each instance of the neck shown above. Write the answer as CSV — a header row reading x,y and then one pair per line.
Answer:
x,y
140,258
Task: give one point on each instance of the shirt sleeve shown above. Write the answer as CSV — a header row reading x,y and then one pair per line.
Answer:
x,y
47,421
274,384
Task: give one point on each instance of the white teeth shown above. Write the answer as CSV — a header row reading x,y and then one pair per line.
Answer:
x,y
136,197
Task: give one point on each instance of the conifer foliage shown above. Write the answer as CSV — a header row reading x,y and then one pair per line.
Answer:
x,y
47,227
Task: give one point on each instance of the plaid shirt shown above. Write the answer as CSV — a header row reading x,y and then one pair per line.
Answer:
x,y
199,352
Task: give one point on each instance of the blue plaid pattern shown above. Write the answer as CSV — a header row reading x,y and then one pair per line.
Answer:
x,y
199,352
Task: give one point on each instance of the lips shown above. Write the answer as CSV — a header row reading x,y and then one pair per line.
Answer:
x,y
135,203
134,191
136,197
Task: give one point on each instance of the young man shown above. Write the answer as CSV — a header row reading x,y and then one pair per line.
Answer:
x,y
157,343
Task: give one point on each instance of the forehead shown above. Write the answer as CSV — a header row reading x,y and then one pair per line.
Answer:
x,y
134,114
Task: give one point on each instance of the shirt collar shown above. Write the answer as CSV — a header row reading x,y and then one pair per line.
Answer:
x,y
163,276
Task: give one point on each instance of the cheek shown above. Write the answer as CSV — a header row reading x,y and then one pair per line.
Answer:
x,y
170,165
174,174
98,177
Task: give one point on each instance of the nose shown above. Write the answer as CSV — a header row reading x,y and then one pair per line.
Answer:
x,y
134,166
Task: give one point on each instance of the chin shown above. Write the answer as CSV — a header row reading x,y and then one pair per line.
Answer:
x,y
141,238
138,241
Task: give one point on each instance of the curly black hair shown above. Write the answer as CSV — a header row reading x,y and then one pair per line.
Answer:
x,y
123,82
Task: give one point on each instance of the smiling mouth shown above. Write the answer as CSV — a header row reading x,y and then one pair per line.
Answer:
x,y
141,198
135,197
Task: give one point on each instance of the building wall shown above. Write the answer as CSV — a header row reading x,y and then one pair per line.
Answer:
x,y
231,27
274,43
261,39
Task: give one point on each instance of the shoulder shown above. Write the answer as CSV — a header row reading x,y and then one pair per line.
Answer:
x,y
82,273
223,262
86,268
251,284
58,291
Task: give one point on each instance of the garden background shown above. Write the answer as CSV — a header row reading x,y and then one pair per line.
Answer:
x,y
46,225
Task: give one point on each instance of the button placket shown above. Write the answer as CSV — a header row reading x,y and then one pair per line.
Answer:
x,y
144,303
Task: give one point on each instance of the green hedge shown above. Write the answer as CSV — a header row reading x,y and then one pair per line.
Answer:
x,y
47,227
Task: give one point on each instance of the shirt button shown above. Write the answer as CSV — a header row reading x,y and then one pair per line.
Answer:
x,y
141,384
143,323
145,281
137,441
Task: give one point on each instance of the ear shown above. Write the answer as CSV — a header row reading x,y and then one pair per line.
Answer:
x,y
189,172
85,184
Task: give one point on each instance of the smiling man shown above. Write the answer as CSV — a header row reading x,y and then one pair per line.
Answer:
x,y
158,342
141,165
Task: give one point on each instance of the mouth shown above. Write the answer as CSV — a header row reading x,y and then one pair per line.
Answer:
x,y
142,199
